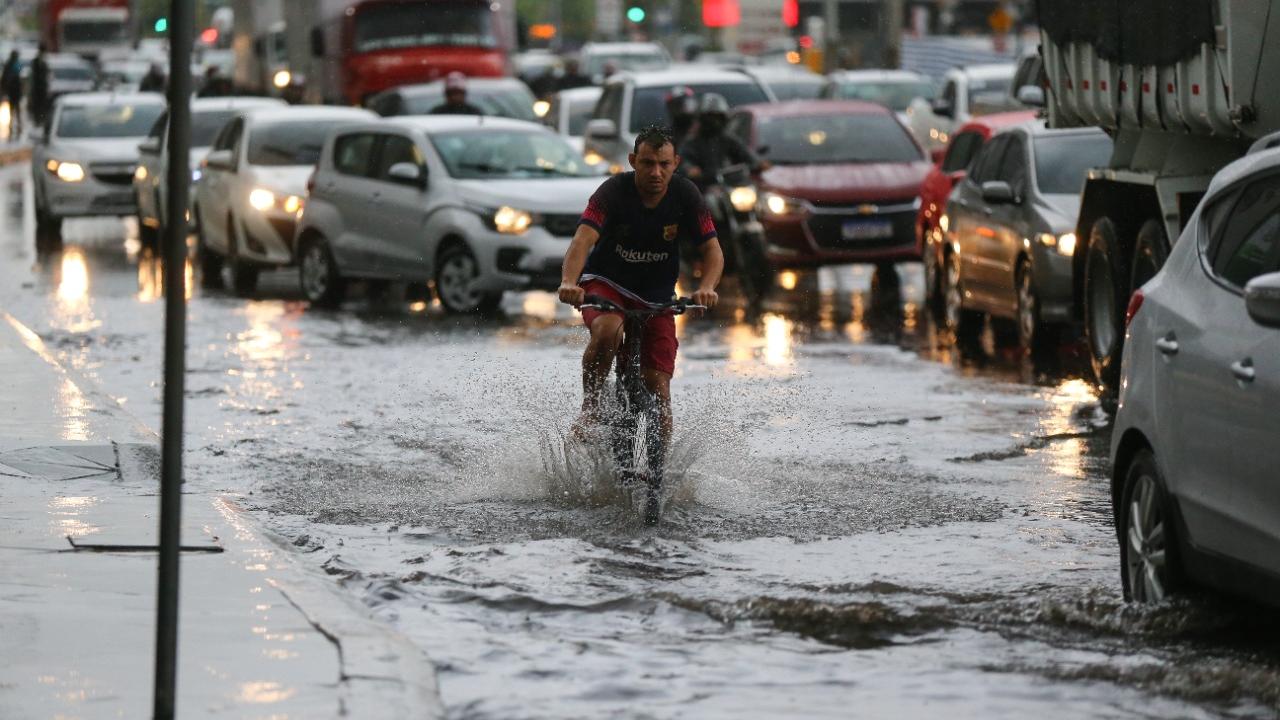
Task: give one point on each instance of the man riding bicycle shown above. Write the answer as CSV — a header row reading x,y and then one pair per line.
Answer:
x,y
625,251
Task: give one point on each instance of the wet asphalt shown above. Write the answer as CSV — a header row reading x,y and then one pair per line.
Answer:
x,y
863,521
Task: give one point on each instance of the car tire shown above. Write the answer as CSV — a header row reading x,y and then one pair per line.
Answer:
x,y
210,262
455,271
1150,252
1034,336
48,231
934,295
321,282
1150,567
1106,295
244,274
964,325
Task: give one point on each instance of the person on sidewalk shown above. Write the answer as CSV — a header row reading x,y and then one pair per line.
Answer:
x,y
155,80
11,86
39,103
455,97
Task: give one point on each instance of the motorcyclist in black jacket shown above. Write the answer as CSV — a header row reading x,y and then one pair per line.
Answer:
x,y
710,149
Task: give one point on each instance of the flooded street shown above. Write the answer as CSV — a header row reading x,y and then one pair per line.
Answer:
x,y
860,525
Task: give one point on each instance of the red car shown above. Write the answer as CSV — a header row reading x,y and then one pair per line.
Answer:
x,y
965,144
844,182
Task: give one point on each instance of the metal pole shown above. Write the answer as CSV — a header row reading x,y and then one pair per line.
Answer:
x,y
831,15
893,12
181,36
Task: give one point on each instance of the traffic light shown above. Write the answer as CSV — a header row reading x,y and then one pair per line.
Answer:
x,y
162,25
635,14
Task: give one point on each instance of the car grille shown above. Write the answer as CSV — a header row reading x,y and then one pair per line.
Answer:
x,y
113,173
827,229
561,225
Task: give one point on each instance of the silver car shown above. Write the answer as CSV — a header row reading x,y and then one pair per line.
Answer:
x,y
83,162
476,205
1196,444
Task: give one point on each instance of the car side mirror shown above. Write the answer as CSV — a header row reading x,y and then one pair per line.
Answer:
x,y
220,160
1031,95
603,128
407,173
998,192
942,108
1262,299
150,146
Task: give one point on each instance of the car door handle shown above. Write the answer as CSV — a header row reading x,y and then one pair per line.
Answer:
x,y
1243,370
1168,344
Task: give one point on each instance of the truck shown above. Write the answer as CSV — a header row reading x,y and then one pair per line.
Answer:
x,y
258,43
1183,88
345,51
85,27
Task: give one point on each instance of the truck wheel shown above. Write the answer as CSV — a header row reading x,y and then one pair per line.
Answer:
x,y
1150,569
1150,253
1106,295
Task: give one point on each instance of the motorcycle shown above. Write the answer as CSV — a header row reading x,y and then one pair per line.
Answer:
x,y
732,203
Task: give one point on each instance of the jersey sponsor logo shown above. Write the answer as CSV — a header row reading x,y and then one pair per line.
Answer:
x,y
669,232
640,256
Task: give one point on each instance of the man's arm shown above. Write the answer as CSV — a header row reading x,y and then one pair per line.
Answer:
x,y
712,267
575,258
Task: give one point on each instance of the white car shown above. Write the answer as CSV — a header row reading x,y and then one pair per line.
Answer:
x,y
252,188
595,57
1196,443
122,75
479,205
569,112
967,92
208,116
83,162
894,89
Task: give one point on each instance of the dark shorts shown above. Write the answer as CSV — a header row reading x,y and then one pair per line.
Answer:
x,y
658,350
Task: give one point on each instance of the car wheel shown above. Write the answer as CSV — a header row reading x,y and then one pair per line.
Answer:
x,y
963,324
455,274
935,297
1149,563
48,231
1106,295
1033,336
148,236
1149,254
210,262
318,274
244,274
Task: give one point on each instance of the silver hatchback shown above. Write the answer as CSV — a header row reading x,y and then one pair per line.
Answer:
x,y
1196,444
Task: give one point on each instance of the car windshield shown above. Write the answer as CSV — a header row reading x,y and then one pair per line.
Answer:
x,y
579,115
387,26
648,106
1062,161
492,154
595,63
296,142
991,96
894,95
515,102
121,120
830,139
71,72
93,31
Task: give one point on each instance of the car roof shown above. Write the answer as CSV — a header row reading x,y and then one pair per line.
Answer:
x,y
1253,162
799,108
304,112
580,93
996,121
621,47
1039,127
450,123
681,76
777,72
66,59
110,98
437,86
877,76
988,71
234,102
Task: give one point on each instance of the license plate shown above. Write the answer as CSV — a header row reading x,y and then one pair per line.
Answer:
x,y
867,230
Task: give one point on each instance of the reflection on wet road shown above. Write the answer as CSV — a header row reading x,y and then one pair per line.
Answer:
x,y
859,519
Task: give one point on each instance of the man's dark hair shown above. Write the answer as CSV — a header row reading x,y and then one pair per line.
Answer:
x,y
655,136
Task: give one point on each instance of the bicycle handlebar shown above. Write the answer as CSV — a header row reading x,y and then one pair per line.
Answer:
x,y
677,307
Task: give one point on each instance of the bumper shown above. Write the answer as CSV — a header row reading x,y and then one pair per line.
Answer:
x,y
267,236
839,235
88,197
530,261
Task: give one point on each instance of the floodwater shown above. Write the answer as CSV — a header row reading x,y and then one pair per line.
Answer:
x,y
859,524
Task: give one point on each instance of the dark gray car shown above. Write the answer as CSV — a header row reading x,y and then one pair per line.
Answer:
x,y
1010,229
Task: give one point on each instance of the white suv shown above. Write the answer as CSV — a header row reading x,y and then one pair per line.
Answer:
x,y
477,205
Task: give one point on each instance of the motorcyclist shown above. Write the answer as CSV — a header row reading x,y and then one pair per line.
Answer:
x,y
682,110
710,149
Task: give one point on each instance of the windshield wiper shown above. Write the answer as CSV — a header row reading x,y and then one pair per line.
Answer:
x,y
541,170
481,167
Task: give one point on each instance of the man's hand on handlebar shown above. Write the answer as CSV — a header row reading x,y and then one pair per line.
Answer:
x,y
571,294
709,298
693,172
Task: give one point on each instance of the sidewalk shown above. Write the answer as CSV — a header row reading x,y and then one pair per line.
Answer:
x,y
259,636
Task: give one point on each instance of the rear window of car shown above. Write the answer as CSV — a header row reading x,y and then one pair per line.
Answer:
x,y
648,105
1061,162
830,139
108,121
297,142
894,95
71,72
514,103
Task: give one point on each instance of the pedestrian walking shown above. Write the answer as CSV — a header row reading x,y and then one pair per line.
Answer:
x,y
155,80
11,86
39,104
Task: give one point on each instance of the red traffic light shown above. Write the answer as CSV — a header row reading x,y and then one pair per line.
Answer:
x,y
209,36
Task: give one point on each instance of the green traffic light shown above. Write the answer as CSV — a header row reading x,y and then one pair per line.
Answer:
x,y
635,14
162,25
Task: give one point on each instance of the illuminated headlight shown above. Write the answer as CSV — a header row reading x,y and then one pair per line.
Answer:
x,y
66,171
776,204
140,174
592,158
615,168
292,204
743,198
1065,243
510,221
282,79
541,107
196,174
262,199
944,222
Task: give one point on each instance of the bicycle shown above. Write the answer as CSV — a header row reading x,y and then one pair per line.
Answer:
x,y
636,427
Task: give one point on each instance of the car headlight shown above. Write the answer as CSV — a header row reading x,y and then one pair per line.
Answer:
x,y
66,171
743,198
541,107
282,79
615,168
1065,243
777,204
140,174
196,174
510,221
262,199
593,158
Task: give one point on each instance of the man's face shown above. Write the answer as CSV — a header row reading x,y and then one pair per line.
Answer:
x,y
455,97
654,167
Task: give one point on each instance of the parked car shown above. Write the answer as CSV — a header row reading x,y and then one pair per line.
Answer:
x,y
595,57
477,205
84,161
1010,230
631,101
1194,447
785,82
894,89
150,184
569,112
967,92
253,185
844,183
946,173
502,97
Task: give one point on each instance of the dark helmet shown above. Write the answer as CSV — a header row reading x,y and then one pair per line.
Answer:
x,y
713,104
681,102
